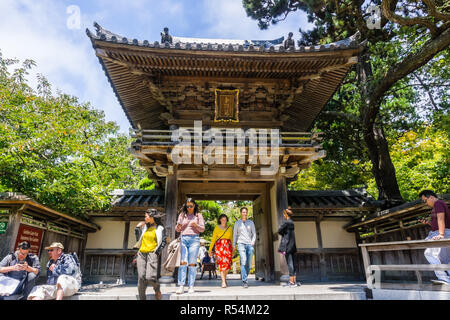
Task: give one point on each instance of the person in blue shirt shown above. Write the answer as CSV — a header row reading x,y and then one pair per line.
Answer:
x,y
23,266
63,276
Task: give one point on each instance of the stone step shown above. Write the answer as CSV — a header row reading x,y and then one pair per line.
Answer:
x,y
260,292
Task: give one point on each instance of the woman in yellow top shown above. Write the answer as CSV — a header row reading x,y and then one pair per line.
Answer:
x,y
151,238
222,239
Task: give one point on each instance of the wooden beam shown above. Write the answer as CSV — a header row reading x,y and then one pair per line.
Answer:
x,y
222,175
198,188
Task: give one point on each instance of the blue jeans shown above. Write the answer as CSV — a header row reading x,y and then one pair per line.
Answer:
x,y
246,255
439,255
190,246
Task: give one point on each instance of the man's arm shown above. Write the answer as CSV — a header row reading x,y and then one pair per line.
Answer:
x,y
253,233
440,216
36,267
441,223
235,233
5,265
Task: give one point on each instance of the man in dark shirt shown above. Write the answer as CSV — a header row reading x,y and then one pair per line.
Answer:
x,y
440,229
23,266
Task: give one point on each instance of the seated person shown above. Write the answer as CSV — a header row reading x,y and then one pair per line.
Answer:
x,y
63,276
208,264
23,266
206,259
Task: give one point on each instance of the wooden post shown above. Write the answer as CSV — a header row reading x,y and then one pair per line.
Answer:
x,y
171,203
8,239
270,253
282,203
322,262
366,261
123,261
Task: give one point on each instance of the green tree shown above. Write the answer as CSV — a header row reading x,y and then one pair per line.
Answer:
x,y
58,151
211,210
413,40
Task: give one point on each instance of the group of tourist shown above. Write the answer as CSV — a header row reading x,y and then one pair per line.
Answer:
x,y
19,270
224,243
226,240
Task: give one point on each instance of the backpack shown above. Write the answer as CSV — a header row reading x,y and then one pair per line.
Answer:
x,y
77,261
27,259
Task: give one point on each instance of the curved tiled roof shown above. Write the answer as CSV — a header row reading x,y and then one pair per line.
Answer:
x,y
142,74
247,46
138,198
309,199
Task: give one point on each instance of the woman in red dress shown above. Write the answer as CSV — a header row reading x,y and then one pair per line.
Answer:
x,y
222,242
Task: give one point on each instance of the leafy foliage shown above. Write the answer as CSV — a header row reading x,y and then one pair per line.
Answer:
x,y
418,100
211,210
58,151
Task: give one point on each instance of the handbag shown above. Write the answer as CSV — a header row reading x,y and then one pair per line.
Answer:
x,y
173,255
214,246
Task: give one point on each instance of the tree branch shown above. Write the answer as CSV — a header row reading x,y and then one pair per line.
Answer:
x,y
427,89
392,16
410,64
434,12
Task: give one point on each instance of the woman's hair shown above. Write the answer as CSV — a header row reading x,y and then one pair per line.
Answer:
x,y
220,218
184,206
289,212
155,215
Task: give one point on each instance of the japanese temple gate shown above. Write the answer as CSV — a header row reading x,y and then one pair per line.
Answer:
x,y
235,85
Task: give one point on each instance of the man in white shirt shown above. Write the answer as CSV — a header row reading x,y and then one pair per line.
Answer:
x,y
244,236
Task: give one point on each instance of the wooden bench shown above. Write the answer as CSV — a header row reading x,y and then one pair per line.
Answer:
x,y
373,271
211,268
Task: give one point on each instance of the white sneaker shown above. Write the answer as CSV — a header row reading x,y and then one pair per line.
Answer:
x,y
439,281
180,290
191,290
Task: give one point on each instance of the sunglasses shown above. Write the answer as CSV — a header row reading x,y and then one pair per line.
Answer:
x,y
50,250
190,207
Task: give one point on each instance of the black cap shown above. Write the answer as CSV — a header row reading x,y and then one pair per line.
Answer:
x,y
24,245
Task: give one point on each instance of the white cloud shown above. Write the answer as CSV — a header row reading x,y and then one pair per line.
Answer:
x,y
229,19
38,31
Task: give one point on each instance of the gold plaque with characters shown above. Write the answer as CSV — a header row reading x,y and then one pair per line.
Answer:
x,y
226,105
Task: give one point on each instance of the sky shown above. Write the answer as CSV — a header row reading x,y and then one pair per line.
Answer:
x,y
52,33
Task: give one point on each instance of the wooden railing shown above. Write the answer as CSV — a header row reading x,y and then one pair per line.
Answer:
x,y
109,265
374,280
329,264
286,139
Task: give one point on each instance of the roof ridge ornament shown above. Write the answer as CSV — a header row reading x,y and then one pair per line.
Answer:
x,y
166,37
289,42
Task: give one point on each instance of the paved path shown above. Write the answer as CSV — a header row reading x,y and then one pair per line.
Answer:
x,y
211,290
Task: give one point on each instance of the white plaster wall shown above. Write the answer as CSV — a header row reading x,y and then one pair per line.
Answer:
x,y
109,237
305,234
334,236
